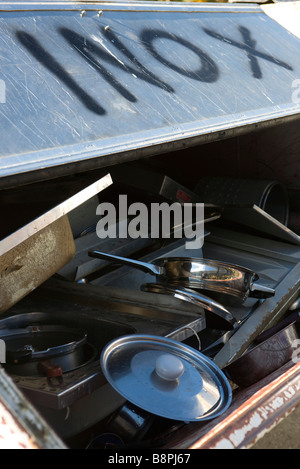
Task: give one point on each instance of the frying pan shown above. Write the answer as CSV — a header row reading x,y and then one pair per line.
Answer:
x,y
228,281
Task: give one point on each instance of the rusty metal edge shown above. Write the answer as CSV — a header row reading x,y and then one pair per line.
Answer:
x,y
254,412
21,426
54,214
266,315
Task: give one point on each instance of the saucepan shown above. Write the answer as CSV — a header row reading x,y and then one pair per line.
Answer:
x,y
31,348
222,280
271,350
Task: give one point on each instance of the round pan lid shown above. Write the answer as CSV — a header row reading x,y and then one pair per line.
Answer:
x,y
166,378
219,317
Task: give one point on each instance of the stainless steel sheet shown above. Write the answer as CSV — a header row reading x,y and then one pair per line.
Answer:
x,y
54,214
84,81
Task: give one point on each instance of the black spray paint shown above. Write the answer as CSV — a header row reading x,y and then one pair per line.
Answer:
x,y
95,55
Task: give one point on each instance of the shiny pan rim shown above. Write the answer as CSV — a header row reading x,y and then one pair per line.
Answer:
x,y
169,345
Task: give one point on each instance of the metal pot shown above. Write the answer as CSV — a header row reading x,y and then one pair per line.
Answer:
x,y
130,423
43,349
228,281
166,378
272,349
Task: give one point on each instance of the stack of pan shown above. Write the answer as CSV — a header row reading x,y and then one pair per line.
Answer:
x,y
187,278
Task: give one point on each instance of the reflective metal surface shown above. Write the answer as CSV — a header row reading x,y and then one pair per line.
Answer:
x,y
21,235
264,358
201,392
230,282
41,341
227,280
144,266
257,219
130,423
220,317
92,84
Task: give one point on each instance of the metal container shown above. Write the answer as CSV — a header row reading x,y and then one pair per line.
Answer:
x,y
166,378
130,423
264,358
43,349
228,281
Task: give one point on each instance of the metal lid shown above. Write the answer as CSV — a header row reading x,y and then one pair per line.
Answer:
x,y
217,316
166,378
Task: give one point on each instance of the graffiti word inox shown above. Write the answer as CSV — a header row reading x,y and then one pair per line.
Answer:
x,y
96,55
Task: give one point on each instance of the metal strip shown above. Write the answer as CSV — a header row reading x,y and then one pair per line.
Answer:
x,y
254,412
54,214
264,316
143,144
259,414
126,6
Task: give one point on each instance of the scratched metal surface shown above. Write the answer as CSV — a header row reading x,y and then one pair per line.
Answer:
x,y
77,86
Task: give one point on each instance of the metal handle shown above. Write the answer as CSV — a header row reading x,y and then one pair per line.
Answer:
x,y
51,371
213,348
227,320
144,266
260,291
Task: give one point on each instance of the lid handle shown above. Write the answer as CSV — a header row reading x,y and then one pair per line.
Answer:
x,y
169,367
